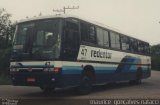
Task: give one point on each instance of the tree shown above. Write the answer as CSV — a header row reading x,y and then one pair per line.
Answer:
x,y
155,54
6,29
155,50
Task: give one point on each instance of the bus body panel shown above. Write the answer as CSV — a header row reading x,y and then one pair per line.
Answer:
x,y
63,66
71,71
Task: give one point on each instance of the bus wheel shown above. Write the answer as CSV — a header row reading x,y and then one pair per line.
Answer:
x,y
139,76
47,89
85,86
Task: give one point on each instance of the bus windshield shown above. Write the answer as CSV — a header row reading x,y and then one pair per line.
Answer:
x,y
37,40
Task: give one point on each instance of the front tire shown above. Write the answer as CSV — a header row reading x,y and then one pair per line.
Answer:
x,y
85,86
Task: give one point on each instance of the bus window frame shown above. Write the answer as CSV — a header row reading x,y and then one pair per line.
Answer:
x,y
63,47
116,34
88,25
109,37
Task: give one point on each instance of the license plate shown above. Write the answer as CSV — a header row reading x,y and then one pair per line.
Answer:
x,y
31,80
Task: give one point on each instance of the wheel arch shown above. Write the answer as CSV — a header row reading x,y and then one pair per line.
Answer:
x,y
89,70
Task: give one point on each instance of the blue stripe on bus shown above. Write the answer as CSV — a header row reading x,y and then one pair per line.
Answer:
x,y
78,70
71,70
105,69
98,70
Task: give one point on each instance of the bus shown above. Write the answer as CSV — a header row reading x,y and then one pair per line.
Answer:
x,y
68,51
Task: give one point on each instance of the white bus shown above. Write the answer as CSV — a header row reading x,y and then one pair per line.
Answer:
x,y
67,51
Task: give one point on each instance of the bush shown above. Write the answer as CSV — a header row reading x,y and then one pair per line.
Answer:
x,y
155,62
4,66
5,79
4,61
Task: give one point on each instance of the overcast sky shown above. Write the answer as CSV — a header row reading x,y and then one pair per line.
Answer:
x,y
137,18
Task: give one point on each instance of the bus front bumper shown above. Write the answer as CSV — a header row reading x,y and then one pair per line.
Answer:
x,y
34,79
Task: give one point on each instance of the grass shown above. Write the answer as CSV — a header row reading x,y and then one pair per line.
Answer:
x,y
4,80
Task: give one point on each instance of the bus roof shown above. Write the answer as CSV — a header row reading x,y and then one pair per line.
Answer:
x,y
76,17
68,16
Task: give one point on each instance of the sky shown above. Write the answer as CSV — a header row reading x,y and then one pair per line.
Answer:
x,y
136,18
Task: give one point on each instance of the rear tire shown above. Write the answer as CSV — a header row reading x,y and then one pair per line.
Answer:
x,y
138,77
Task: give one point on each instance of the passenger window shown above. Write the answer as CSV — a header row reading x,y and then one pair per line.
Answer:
x,y
147,48
71,35
141,47
133,45
106,39
88,33
115,40
84,32
102,37
92,34
125,43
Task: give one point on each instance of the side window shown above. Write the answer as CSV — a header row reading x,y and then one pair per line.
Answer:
x,y
125,43
71,40
147,48
141,47
92,34
88,33
106,39
71,35
115,40
133,45
84,32
102,37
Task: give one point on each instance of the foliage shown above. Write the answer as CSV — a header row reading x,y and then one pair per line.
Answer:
x,y
4,61
4,80
155,54
155,50
7,29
